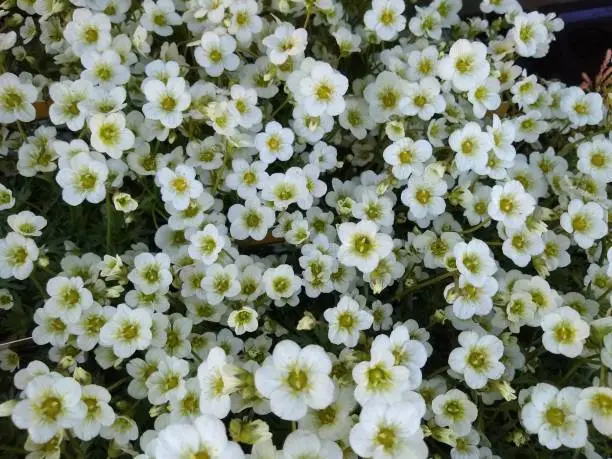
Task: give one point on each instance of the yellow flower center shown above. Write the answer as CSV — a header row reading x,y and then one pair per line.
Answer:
x,y
464,64
555,416
297,379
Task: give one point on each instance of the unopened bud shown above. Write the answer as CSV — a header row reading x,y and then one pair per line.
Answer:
x,y
43,261
540,266
457,196
518,437
438,169
157,410
124,202
67,362
81,376
439,317
114,292
505,389
249,433
307,322
395,130
6,408
444,435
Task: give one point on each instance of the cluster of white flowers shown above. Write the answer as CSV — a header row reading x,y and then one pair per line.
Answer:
x,y
308,229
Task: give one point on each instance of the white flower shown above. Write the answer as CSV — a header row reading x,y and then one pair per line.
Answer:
x,y
407,352
51,403
510,204
380,379
104,68
122,431
295,378
250,220
581,108
386,18
322,90
384,95
275,143
17,256
206,245
26,223
502,135
423,99
285,42
16,99
110,135
466,65
206,438
388,431
9,360
67,103
87,329
477,359
179,186
128,330
472,147
551,413
6,299
244,106
595,159
7,200
246,177
530,126
423,195
88,31
485,97
347,41
586,222
423,63
470,299
68,298
565,332
244,21
356,118
303,444
49,329
526,91
407,157
166,383
521,245
529,33
216,53
220,282
8,40
475,261
594,405
334,421
498,6
159,17
280,283
362,245
346,320
455,410
98,413
426,22
167,101
151,273
243,320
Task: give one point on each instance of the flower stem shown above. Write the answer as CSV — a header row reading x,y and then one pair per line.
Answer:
x,y
279,108
428,282
38,285
117,384
477,227
109,223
